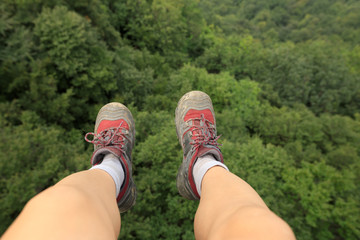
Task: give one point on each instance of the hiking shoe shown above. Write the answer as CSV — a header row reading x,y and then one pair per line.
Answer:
x,y
115,133
196,131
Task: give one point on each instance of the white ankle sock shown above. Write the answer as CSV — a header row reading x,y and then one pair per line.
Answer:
x,y
113,167
202,165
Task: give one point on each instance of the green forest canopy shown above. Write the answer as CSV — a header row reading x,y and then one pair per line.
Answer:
x,y
284,77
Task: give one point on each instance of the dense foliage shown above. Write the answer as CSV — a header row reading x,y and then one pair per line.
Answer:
x,y
284,77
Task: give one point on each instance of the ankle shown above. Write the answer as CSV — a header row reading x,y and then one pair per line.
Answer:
x,y
202,166
111,164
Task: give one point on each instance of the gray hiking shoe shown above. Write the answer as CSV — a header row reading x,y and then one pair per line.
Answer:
x,y
115,133
196,131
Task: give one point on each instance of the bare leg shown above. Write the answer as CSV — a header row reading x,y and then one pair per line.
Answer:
x,y
85,205
81,206
231,209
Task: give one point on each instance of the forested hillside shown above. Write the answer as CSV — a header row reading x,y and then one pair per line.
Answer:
x,y
284,77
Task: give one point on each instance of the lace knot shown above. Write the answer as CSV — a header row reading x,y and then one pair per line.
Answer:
x,y
203,133
109,137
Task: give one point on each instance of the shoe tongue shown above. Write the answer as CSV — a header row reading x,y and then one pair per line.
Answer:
x,y
196,122
196,131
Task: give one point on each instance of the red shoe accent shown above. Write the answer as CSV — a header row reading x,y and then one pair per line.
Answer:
x,y
122,192
192,113
105,124
191,177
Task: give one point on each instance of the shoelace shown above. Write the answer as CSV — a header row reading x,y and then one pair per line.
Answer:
x,y
203,134
110,136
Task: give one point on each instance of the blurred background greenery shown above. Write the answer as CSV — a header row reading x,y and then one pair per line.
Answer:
x,y
284,77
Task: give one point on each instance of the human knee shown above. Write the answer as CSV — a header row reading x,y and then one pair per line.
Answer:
x,y
252,223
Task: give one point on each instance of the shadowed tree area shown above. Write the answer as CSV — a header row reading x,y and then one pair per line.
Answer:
x,y
284,78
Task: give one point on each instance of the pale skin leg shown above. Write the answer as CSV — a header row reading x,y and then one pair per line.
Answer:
x,y
81,206
231,209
